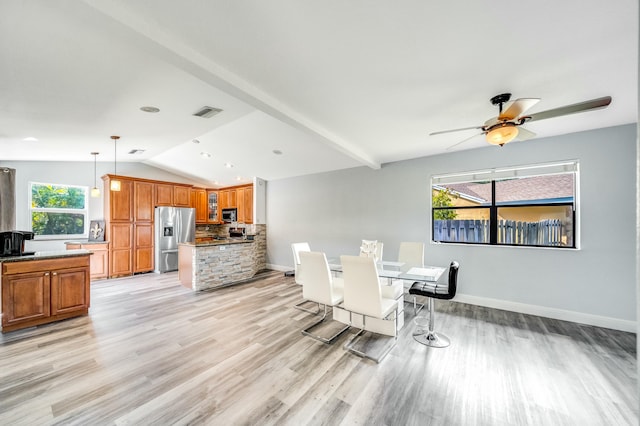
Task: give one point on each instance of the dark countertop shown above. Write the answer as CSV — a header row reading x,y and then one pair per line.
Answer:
x,y
218,243
40,255
86,242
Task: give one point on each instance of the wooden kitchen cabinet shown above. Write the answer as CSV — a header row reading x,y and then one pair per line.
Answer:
x,y
164,194
41,291
120,203
199,202
181,196
130,216
223,199
213,215
172,195
99,261
244,197
143,256
121,240
144,207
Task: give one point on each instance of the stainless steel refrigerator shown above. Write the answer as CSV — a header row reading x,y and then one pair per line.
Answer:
x,y
173,225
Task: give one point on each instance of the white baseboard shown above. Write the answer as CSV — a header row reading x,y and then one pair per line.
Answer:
x,y
523,308
279,267
543,311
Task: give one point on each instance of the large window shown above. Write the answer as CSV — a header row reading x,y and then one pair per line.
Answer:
x,y
523,206
58,210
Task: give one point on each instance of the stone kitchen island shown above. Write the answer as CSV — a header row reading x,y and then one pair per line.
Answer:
x,y
218,263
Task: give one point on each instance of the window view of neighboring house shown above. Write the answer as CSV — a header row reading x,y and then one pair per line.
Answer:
x,y
525,206
58,209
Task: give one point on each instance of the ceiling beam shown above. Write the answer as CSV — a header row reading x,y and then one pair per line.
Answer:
x,y
153,40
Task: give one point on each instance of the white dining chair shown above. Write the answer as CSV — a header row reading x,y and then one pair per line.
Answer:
x,y
371,248
363,296
296,249
320,287
412,255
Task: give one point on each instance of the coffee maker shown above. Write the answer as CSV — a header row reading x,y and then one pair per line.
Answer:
x,y
12,242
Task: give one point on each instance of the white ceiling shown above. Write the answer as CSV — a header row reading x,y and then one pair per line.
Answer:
x,y
332,84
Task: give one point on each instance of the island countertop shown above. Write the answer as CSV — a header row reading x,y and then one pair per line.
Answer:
x,y
41,255
212,242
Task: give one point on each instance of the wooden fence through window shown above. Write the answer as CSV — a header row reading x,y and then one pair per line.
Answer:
x,y
543,233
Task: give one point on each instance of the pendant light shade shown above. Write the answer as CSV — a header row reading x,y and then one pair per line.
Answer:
x,y
502,133
95,192
115,184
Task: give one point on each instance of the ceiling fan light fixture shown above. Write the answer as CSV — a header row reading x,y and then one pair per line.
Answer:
x,y
502,133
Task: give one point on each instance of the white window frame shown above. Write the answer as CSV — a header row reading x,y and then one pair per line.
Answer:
x,y
84,212
526,170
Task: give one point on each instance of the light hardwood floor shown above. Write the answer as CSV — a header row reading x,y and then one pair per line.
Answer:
x,y
152,353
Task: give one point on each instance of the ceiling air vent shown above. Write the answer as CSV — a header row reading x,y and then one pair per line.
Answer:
x,y
207,112
136,151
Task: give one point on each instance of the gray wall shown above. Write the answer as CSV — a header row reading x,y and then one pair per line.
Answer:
x,y
71,173
595,284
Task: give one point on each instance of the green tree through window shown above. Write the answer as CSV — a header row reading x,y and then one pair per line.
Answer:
x,y
442,198
58,209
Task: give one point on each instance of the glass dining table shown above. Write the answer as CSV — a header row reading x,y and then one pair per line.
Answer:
x,y
396,274
398,270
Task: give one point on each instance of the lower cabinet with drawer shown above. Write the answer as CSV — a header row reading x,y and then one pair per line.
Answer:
x,y
37,292
99,258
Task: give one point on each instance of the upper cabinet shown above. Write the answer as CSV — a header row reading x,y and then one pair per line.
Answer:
x,y
199,202
118,204
164,194
143,201
173,195
181,196
239,197
212,207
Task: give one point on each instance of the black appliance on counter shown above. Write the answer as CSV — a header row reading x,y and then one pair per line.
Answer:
x,y
12,242
237,232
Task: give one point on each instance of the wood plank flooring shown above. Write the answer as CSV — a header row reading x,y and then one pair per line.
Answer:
x,y
153,353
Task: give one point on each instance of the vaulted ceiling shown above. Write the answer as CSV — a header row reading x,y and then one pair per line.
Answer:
x,y
328,85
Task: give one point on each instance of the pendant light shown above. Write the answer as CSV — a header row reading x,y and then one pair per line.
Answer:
x,y
95,192
115,184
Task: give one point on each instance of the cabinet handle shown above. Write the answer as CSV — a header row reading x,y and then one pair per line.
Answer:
x,y
46,274
55,273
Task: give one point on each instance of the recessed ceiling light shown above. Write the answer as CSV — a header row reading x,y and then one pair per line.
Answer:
x,y
205,155
151,109
277,152
228,165
239,178
30,139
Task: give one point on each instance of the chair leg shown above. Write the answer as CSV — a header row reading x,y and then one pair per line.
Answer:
x,y
307,331
349,346
302,308
415,308
431,338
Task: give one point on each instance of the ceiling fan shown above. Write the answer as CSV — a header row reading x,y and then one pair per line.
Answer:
x,y
507,125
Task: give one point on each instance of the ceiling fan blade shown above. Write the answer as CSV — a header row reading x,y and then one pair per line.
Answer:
x,y
572,109
524,134
464,140
454,130
517,108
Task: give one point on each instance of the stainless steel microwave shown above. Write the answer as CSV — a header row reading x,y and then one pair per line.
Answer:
x,y
229,215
